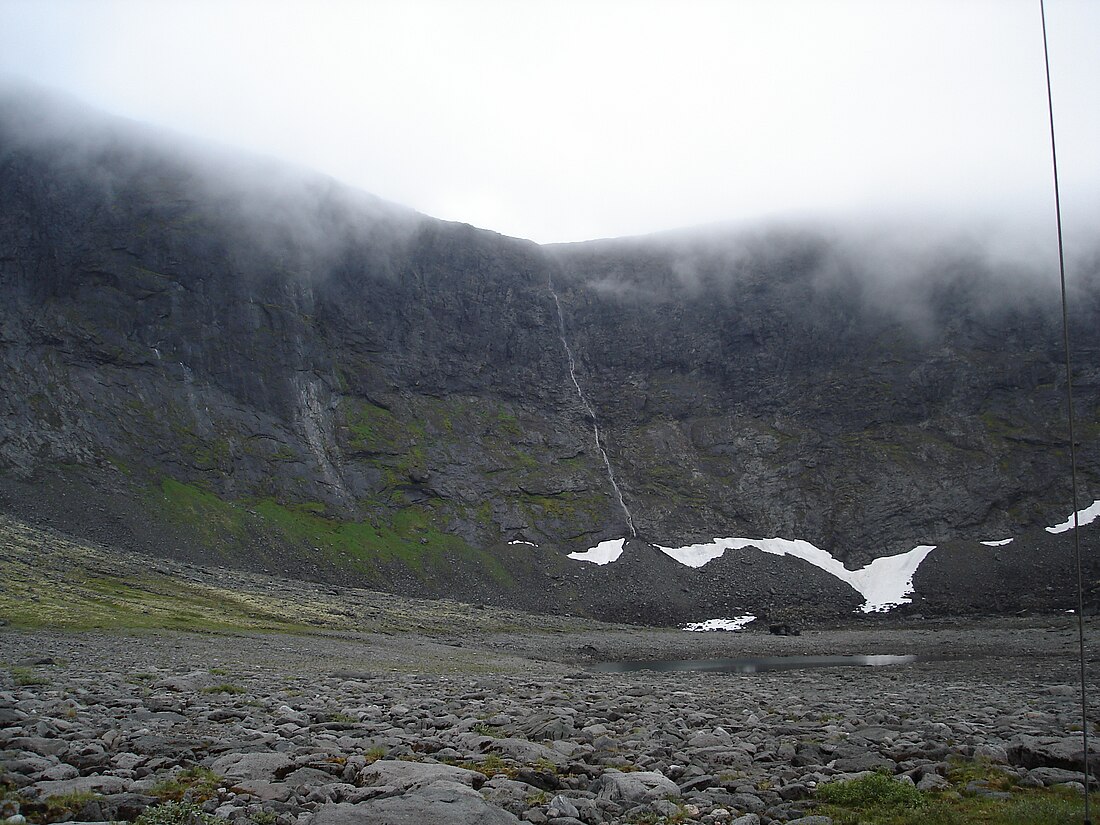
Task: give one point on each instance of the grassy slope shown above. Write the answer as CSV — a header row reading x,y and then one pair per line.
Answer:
x,y
49,581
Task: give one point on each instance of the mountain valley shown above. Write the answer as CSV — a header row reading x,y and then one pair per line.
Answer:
x,y
220,359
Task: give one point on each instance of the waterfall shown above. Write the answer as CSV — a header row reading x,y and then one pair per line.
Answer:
x,y
588,408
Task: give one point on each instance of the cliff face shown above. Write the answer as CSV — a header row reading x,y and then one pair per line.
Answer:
x,y
779,383
215,356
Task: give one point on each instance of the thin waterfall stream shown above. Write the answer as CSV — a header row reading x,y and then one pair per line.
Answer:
x,y
588,408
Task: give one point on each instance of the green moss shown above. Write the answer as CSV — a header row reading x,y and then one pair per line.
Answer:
x,y
154,602
26,677
965,771
508,424
491,765
92,601
874,790
341,376
198,783
405,537
565,506
209,455
484,513
373,429
350,544
553,506
212,518
879,444
64,806
176,813
882,800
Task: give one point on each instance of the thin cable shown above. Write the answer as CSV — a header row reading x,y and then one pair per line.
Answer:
x,y
1069,413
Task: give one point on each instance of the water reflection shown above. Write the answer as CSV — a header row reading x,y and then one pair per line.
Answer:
x,y
754,664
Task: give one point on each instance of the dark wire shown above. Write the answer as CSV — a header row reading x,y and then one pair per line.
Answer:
x,y
1069,411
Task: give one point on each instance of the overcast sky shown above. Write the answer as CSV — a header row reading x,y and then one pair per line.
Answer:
x,y
568,120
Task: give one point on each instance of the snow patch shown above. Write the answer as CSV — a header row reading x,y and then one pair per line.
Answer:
x,y
1086,516
720,624
999,543
887,581
603,553
525,543
884,583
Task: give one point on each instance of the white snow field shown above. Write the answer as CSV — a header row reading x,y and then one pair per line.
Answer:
x,y
1086,516
603,553
884,583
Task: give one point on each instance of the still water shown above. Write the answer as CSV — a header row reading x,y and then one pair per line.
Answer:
x,y
754,665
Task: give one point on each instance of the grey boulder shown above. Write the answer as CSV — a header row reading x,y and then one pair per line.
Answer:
x,y
406,776
440,803
253,766
640,786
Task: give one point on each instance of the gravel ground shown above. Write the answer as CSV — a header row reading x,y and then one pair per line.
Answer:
x,y
502,727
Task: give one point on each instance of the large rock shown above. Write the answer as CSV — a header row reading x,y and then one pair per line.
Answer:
x,y
551,724
405,776
1055,776
441,803
263,790
266,767
1045,751
524,752
639,786
41,745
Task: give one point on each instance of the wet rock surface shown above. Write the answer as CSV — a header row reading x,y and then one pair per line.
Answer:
x,y
361,728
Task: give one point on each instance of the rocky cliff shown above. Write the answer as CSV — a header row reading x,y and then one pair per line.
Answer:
x,y
205,355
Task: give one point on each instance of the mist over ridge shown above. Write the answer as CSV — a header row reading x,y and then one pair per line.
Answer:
x,y
890,246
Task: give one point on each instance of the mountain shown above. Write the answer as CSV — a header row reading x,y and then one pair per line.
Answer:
x,y
218,357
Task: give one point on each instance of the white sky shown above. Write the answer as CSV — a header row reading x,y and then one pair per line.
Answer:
x,y
568,120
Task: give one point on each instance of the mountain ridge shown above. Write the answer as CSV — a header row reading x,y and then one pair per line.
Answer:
x,y
276,369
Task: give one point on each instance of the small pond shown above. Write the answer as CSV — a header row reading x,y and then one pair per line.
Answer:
x,y
757,664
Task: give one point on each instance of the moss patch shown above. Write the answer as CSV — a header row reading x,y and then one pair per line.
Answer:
x,y
882,800
406,538
215,520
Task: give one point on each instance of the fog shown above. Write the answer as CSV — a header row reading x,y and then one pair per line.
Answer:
x,y
308,222
298,218
567,121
